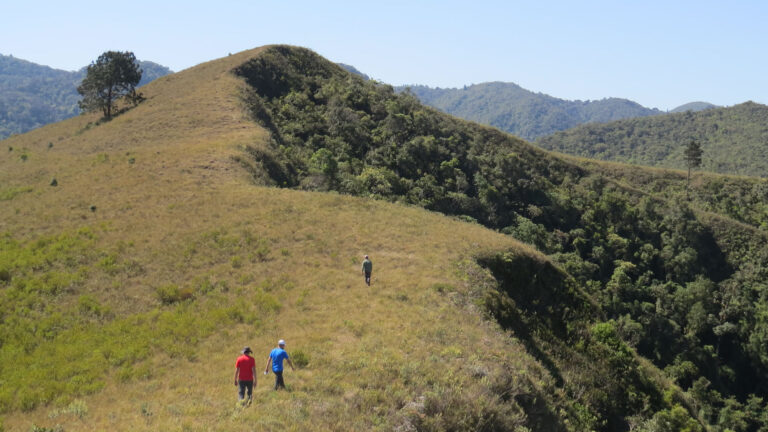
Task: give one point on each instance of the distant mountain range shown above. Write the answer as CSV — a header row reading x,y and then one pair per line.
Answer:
x,y
522,112
527,114
734,139
32,95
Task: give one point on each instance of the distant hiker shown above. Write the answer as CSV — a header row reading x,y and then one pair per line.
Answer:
x,y
276,357
245,375
366,270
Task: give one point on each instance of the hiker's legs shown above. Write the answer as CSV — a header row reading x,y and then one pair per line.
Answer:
x,y
279,380
243,386
249,387
368,278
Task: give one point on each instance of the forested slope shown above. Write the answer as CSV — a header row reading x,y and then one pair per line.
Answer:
x,y
734,139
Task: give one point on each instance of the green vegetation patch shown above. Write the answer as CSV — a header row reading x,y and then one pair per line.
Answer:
x,y
8,194
46,317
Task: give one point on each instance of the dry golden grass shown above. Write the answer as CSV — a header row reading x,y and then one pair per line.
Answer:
x,y
163,183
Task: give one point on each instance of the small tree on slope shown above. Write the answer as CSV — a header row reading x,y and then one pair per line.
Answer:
x,y
693,154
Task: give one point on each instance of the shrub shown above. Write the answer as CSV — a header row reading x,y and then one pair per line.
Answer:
x,y
36,428
443,288
170,294
299,358
5,275
262,250
88,305
449,409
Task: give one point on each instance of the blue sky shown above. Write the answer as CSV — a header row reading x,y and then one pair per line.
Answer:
x,y
659,53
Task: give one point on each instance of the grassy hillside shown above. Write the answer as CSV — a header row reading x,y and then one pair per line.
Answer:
x,y
149,265
524,113
157,255
733,139
32,95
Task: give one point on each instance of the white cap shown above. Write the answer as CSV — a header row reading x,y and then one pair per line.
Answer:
x,y
281,342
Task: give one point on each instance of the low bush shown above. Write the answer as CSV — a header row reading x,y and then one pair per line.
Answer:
x,y
300,358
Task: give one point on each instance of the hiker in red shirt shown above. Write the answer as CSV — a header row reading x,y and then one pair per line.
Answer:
x,y
245,375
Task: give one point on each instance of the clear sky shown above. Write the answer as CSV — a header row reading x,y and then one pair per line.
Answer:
x,y
659,53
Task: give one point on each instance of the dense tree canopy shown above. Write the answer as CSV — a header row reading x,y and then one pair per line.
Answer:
x,y
733,139
112,76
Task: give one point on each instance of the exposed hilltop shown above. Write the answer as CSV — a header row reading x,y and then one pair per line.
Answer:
x,y
524,113
734,139
156,257
32,95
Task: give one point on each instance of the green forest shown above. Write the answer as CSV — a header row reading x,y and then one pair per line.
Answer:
x,y
656,320
734,139
32,95
521,112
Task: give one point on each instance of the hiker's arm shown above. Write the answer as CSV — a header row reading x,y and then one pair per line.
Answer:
x,y
290,363
253,371
237,374
266,368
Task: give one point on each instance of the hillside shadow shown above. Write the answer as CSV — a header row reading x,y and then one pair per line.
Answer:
x,y
533,300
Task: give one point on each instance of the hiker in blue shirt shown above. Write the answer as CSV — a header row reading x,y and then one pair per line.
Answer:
x,y
276,357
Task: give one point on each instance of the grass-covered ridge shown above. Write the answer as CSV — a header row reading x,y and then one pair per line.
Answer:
x,y
154,260
664,275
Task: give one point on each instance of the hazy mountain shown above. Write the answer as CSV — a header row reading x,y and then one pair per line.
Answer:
x,y
694,106
734,139
32,95
521,112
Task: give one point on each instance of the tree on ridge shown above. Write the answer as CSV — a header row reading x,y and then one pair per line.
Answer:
x,y
112,76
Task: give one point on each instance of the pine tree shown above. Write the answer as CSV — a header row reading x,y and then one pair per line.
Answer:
x,y
112,76
693,154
